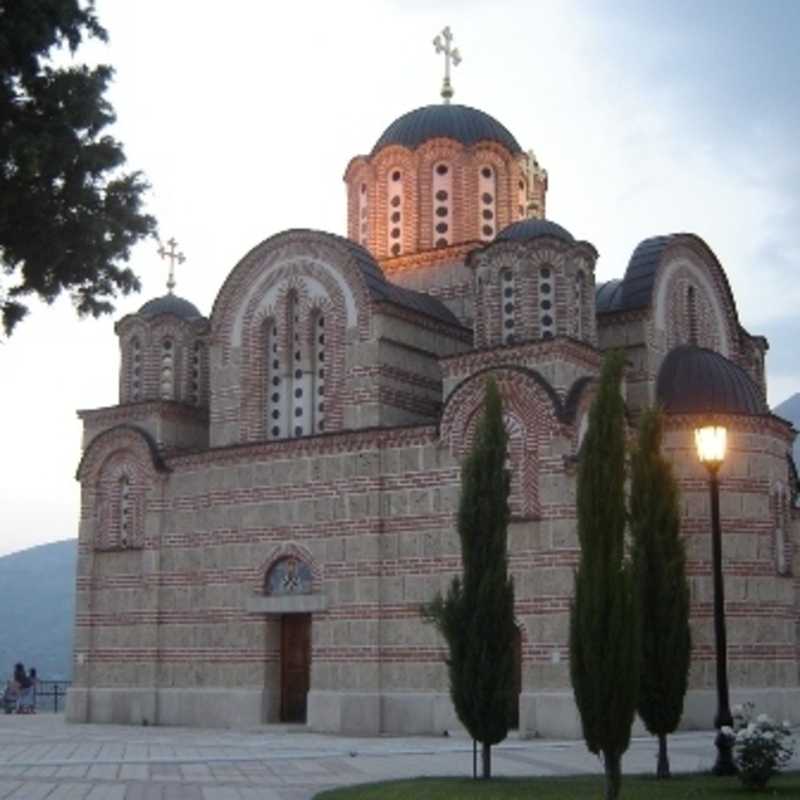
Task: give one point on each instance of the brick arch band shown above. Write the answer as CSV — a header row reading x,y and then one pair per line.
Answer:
x,y
531,409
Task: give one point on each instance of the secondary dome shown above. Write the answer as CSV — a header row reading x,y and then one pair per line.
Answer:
x,y
694,380
462,123
526,229
170,304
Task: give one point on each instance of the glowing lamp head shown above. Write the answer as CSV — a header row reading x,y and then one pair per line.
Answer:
x,y
711,441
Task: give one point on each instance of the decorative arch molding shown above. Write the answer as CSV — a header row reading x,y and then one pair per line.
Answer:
x,y
531,410
335,263
281,552
121,437
261,603
689,262
116,472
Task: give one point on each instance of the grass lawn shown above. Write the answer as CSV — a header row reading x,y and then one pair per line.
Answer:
x,y
683,787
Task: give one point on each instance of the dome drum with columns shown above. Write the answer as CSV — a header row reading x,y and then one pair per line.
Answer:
x,y
274,496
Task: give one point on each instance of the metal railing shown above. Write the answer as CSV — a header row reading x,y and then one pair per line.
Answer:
x,y
50,695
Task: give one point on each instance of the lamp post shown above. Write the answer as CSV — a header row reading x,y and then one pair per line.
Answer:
x,y
711,442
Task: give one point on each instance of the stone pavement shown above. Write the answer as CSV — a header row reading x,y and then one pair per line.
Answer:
x,y
42,757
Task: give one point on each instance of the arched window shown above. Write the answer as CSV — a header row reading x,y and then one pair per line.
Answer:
x,y
691,314
294,378
363,215
442,204
167,370
487,203
135,366
508,306
288,576
547,302
577,311
394,212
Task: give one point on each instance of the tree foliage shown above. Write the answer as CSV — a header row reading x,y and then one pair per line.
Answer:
x,y
660,559
604,641
477,615
68,214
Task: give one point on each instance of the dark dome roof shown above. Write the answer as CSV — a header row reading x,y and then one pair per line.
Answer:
x,y
170,304
693,380
462,123
527,229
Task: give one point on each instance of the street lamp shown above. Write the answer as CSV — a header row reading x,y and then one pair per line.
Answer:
x,y
711,442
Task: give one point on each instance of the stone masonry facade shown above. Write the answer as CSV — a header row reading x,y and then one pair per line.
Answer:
x,y
293,460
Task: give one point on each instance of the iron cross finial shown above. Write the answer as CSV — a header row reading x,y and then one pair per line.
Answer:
x,y
450,54
173,255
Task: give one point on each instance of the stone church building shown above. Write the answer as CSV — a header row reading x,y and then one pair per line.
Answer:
x,y
273,498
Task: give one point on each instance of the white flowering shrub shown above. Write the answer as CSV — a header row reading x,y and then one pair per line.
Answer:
x,y
761,746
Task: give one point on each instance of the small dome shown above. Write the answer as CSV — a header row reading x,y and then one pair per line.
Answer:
x,y
526,229
462,123
694,380
170,304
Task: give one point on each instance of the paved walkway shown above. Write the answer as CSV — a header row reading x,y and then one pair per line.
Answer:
x,y
42,757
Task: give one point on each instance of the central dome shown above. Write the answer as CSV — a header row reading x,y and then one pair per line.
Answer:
x,y
462,123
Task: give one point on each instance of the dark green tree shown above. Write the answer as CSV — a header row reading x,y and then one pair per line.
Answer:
x,y
660,559
68,214
476,617
604,626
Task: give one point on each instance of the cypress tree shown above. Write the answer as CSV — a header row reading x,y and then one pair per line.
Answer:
x,y
660,560
476,617
604,628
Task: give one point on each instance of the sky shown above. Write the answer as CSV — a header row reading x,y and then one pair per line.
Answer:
x,y
650,118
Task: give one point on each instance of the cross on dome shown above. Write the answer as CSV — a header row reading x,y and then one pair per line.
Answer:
x,y
450,54
173,255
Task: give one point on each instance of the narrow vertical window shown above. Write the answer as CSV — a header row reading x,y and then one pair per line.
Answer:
x,y
124,511
195,393
394,212
292,373
135,356
578,304
487,203
273,379
299,377
691,314
522,198
167,370
318,376
442,188
547,297
363,215
509,300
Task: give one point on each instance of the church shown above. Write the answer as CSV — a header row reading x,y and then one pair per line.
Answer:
x,y
273,498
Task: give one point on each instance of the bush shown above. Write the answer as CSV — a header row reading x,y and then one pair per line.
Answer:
x,y
761,747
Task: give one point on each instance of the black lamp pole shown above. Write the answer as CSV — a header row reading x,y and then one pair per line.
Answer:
x,y
724,765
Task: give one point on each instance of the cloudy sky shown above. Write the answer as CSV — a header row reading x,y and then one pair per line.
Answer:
x,y
650,117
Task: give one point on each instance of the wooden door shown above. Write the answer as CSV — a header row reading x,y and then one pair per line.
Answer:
x,y
295,666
